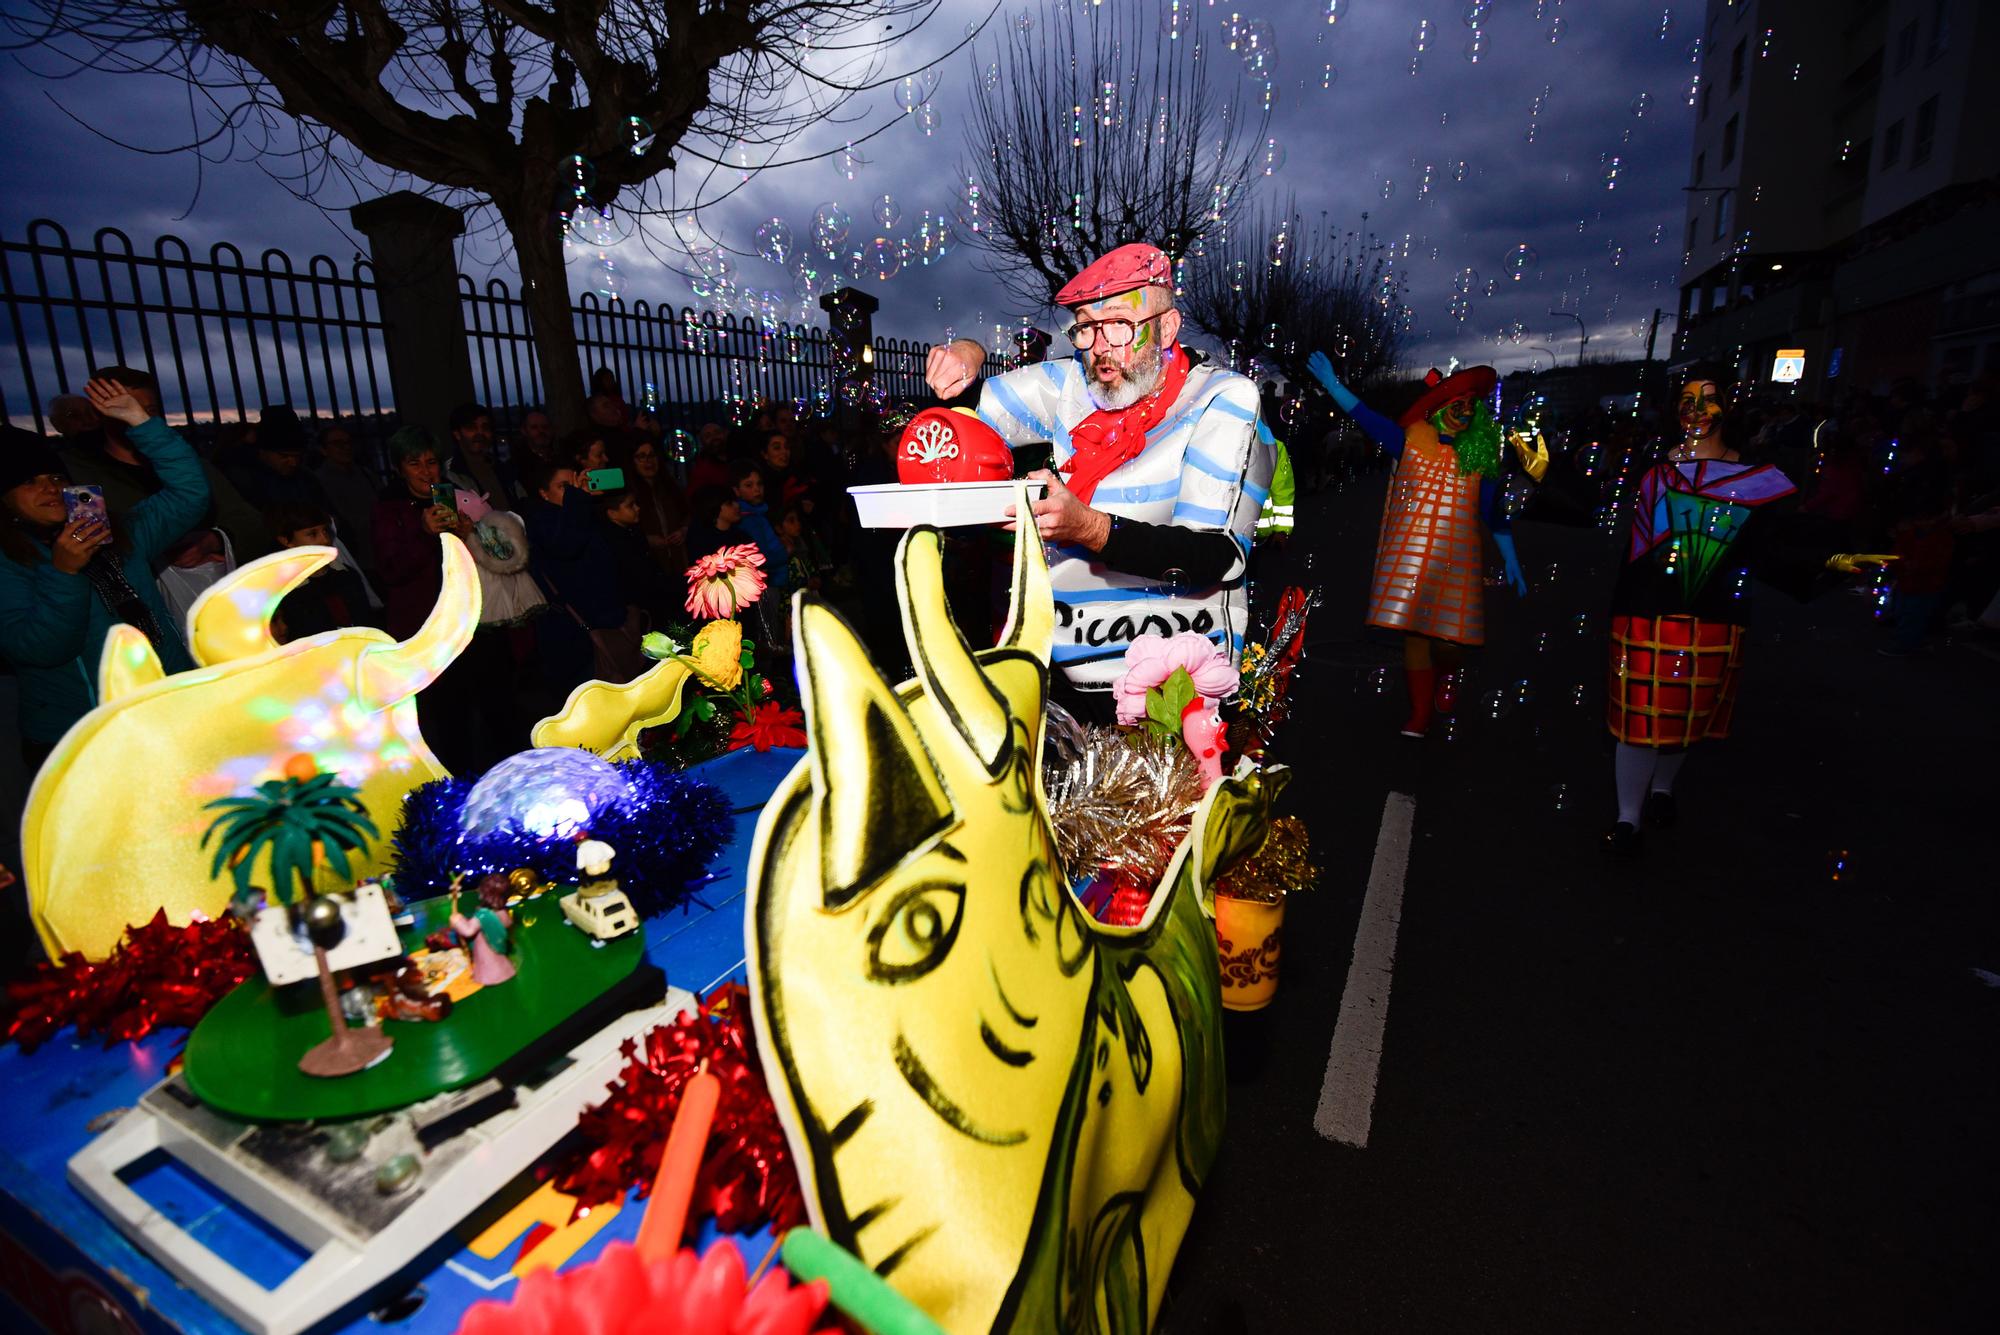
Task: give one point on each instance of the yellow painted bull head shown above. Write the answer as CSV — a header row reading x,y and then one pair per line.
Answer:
x,y
1003,1106
114,820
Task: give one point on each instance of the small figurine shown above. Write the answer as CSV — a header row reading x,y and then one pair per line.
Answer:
x,y
404,997
485,932
1206,736
597,907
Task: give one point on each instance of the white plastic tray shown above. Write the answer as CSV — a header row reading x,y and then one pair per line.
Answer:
x,y
944,504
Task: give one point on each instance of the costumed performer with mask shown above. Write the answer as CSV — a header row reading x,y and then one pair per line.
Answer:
x,y
1161,468
1429,572
1704,522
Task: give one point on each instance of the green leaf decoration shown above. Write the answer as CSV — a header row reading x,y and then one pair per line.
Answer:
x,y
1165,703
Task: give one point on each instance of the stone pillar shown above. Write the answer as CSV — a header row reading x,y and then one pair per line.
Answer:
x,y
850,322
416,288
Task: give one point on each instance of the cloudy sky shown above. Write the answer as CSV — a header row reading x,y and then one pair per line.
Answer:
x,y
1375,111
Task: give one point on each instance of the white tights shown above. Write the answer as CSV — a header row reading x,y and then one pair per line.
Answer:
x,y
1640,770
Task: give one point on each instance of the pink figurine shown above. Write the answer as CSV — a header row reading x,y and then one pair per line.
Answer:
x,y
485,931
1205,734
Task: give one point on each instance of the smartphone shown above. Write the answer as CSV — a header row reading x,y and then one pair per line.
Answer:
x,y
444,496
604,479
83,500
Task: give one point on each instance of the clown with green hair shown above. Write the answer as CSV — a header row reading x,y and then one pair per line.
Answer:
x,y
1428,562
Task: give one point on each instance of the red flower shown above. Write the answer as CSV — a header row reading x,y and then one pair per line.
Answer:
x,y
771,725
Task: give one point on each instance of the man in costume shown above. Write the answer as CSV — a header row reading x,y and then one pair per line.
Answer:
x,y
1428,580
1160,471
1704,522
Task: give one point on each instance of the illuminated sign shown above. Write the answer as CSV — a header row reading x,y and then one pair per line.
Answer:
x,y
1789,366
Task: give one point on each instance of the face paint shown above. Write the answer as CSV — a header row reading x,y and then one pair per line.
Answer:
x,y
1700,409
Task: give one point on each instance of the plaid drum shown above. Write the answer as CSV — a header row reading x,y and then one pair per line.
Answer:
x,y
1672,679
1428,565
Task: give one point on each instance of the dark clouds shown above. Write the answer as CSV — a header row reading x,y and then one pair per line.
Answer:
x,y
1377,122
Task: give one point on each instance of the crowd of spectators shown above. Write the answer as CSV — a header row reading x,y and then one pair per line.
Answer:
x,y
581,534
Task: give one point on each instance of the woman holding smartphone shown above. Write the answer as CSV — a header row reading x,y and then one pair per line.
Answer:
x,y
67,575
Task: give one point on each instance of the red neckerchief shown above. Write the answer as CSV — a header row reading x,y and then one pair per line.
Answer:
x,y
1110,438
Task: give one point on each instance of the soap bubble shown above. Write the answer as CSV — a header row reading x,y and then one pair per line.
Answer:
x,y
1666,23
581,175
884,258
1420,36
992,76
1459,170
639,135
1465,280
741,158
848,163
1642,104
886,210
1270,157
931,237
1460,307
1475,12
1327,77
1475,47
1557,29
928,119
1388,187
774,240
911,92
1336,10
1025,20
1280,248
1609,172
831,225
1416,65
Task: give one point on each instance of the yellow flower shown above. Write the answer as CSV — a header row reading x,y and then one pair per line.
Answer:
x,y
717,654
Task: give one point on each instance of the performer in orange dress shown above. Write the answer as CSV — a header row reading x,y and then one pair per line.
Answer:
x,y
1428,580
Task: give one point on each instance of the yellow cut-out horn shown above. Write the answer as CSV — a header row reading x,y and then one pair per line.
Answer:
x,y
231,620
388,673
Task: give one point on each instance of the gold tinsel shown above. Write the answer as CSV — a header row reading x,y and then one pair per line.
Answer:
x,y
1118,800
1275,870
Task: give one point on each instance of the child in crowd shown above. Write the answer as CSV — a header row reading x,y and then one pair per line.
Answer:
x,y
756,521
332,598
716,524
808,563
640,580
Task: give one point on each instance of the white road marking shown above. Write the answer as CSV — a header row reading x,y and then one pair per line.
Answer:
x,y
1347,1094
466,1272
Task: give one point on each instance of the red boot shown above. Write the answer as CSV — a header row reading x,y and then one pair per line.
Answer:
x,y
1422,683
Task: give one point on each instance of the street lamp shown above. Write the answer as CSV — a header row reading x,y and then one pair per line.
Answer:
x,y
1583,334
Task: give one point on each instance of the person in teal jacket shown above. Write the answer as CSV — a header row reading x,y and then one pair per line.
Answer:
x,y
65,582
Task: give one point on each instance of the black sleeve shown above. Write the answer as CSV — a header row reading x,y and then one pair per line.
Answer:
x,y
1201,557
967,397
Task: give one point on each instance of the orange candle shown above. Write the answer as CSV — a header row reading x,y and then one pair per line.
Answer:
x,y
666,1213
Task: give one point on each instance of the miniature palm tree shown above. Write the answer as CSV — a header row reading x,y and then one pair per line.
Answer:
x,y
303,822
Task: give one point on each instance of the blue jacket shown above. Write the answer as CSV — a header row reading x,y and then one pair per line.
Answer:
x,y
569,553
757,526
53,625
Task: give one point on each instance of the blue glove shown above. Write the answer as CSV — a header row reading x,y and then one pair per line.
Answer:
x,y
1322,370
1519,582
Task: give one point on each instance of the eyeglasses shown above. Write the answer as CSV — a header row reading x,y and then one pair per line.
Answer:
x,y
1116,333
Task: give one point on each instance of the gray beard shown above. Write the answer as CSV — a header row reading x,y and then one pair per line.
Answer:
x,y
1140,381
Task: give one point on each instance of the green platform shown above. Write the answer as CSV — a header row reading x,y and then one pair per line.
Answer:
x,y
242,1059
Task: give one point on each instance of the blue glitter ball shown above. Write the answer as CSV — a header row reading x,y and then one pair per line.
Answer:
x,y
550,792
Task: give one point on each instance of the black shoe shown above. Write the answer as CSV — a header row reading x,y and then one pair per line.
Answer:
x,y
1659,811
1622,840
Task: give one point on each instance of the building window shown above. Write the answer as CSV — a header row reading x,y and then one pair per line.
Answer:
x,y
1721,216
1729,140
1906,46
1707,96
1940,29
1736,59
1700,167
1892,145
1693,223
1925,137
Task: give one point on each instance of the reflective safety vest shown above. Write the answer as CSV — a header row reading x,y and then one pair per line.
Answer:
x,y
1275,519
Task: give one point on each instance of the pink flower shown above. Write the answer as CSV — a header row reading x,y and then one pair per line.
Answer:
x,y
1151,659
723,583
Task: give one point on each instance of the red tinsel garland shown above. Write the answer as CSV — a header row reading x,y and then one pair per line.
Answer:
x,y
160,976
747,1176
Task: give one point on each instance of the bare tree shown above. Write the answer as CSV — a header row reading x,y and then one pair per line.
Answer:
x,y
536,109
1273,289
1098,126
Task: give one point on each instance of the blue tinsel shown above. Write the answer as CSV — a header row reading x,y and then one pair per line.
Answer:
x,y
665,834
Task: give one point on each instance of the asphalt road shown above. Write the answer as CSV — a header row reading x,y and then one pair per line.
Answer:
x,y
1715,1088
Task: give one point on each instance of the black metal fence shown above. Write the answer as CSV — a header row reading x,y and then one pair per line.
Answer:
x,y
225,336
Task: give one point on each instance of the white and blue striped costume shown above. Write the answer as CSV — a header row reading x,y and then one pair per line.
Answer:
x,y
1207,466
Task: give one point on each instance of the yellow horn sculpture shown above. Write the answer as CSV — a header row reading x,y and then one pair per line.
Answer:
x,y
1001,1105
114,821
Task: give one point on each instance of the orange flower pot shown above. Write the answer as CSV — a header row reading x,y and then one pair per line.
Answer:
x,y
1247,932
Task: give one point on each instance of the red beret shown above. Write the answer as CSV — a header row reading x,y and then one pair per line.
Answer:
x,y
1136,265
951,445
